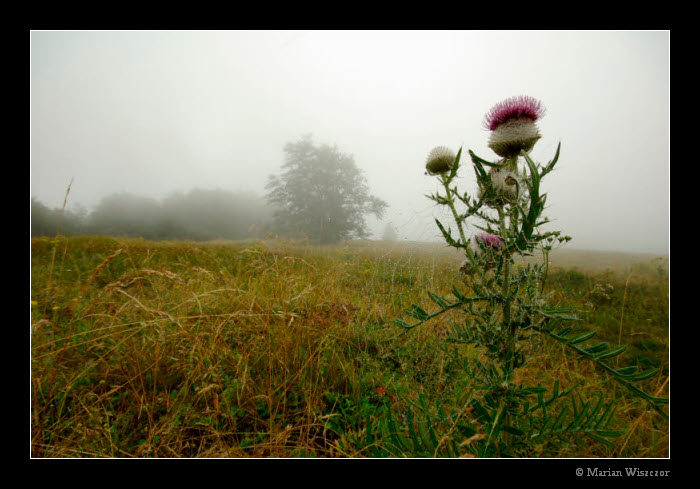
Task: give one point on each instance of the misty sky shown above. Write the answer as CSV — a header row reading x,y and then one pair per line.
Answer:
x,y
152,112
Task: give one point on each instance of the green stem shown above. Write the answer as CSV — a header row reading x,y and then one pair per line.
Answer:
x,y
507,326
446,184
451,203
505,290
545,254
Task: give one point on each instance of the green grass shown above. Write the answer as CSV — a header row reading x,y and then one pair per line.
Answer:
x,y
280,349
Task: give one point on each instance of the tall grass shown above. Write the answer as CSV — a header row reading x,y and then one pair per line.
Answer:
x,y
280,349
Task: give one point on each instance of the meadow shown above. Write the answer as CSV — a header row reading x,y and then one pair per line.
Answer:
x,y
282,349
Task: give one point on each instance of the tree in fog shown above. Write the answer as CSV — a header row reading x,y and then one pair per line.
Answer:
x,y
321,194
214,213
43,221
389,233
200,214
48,222
125,214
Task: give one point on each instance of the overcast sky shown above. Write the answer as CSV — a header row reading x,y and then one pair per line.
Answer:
x,y
152,112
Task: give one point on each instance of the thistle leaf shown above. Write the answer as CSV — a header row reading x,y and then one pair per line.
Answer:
x,y
481,161
438,300
455,165
458,294
647,374
400,323
612,353
625,371
595,349
550,165
581,337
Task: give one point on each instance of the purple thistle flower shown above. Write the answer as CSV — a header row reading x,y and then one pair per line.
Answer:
x,y
488,240
521,107
512,125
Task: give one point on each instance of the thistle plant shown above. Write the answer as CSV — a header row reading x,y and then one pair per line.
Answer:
x,y
507,309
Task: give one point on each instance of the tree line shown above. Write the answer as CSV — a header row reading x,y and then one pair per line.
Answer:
x,y
321,195
201,214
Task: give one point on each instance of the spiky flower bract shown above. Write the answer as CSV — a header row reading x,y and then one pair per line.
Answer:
x,y
512,123
440,160
506,186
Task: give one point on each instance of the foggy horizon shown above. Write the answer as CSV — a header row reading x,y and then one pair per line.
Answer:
x,y
152,113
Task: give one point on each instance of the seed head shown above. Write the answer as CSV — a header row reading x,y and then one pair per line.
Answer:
x,y
440,160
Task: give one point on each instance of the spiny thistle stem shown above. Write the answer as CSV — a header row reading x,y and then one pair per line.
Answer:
x,y
451,204
446,183
545,257
505,291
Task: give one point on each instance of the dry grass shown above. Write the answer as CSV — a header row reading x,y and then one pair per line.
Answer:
x,y
252,349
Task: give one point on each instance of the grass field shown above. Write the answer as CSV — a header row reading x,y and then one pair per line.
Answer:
x,y
281,349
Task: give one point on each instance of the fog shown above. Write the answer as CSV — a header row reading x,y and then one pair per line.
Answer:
x,y
156,112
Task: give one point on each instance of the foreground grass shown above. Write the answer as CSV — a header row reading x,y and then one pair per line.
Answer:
x,y
167,349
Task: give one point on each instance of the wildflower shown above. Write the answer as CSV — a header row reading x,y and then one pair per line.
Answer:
x,y
440,160
484,246
488,241
512,125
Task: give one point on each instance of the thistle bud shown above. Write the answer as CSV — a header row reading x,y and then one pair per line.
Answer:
x,y
512,125
506,186
488,241
440,160
485,247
